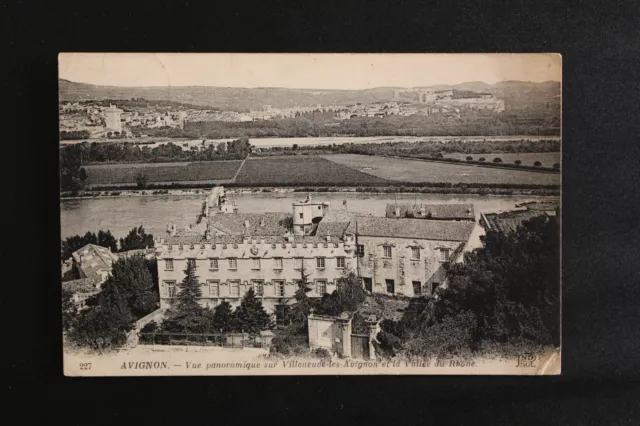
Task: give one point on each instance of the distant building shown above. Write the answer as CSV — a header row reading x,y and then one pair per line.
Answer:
x,y
113,121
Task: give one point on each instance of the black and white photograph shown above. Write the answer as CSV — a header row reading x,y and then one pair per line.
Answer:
x,y
310,214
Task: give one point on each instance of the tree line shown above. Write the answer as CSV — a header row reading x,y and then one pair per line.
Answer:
x,y
136,239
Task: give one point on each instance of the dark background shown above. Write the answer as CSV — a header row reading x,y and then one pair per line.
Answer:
x,y
600,44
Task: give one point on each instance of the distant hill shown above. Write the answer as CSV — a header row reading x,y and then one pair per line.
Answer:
x,y
517,94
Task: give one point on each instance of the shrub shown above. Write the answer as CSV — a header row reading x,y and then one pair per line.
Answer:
x,y
481,159
517,162
469,158
150,327
289,344
497,160
537,164
321,353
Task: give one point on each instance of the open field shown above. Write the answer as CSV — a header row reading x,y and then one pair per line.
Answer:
x,y
300,171
548,159
406,170
162,172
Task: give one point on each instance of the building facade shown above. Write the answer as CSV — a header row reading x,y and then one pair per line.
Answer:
x,y
270,253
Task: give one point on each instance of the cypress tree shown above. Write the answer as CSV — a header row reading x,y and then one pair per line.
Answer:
x,y
186,315
251,316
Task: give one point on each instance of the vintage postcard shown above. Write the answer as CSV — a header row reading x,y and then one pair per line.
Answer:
x,y
310,214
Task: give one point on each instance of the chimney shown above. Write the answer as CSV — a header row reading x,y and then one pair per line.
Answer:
x,y
397,211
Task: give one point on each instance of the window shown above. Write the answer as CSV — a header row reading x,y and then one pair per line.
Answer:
x,y
191,262
234,288
321,287
434,287
319,207
444,255
360,250
297,262
258,288
387,251
213,263
233,263
417,288
300,215
391,286
214,288
168,264
319,262
255,263
279,286
277,263
340,262
191,246
415,253
170,288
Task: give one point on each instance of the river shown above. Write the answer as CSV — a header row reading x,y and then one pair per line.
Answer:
x,y
120,214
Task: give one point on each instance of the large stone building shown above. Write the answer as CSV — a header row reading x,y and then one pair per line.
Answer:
x,y
269,252
113,121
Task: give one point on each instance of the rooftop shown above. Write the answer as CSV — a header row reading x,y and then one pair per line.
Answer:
x,y
433,211
509,221
437,230
260,224
94,260
83,285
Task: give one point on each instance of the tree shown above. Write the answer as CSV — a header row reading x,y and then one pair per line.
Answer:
x,y
105,239
469,158
302,308
537,164
72,244
250,316
69,310
136,239
186,315
82,175
517,162
142,180
497,160
346,298
132,279
223,317
103,326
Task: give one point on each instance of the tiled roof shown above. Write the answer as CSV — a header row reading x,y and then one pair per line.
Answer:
x,y
433,211
260,224
335,223
509,221
435,230
94,260
83,285
540,206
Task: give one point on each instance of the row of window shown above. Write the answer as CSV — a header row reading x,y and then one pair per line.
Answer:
x,y
391,286
256,263
234,287
387,252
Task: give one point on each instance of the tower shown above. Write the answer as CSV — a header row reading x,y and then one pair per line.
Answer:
x,y
113,122
306,214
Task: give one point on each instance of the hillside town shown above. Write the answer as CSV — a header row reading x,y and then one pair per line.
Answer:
x,y
96,120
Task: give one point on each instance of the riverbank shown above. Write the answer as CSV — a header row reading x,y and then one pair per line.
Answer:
x,y
338,190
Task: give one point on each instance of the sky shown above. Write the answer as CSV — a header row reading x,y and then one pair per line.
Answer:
x,y
308,71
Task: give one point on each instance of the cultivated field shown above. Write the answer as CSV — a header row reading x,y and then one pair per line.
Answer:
x,y
422,171
548,159
300,171
162,172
